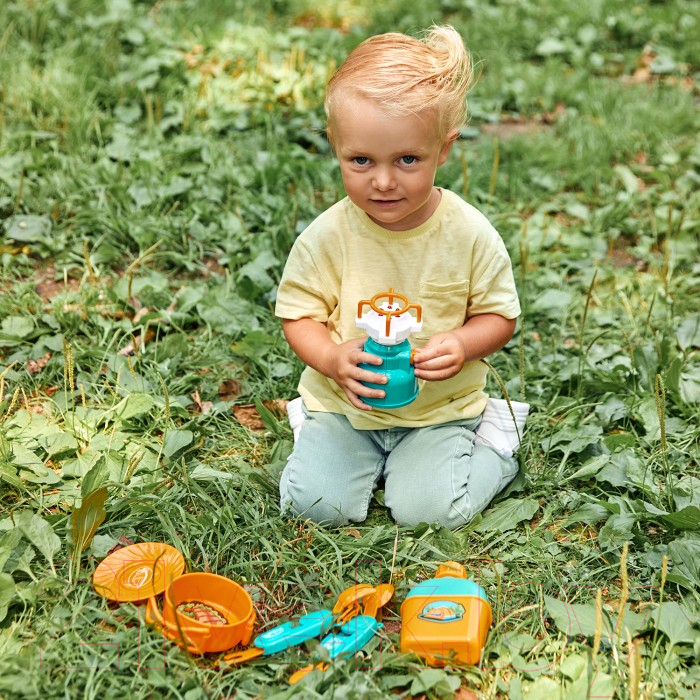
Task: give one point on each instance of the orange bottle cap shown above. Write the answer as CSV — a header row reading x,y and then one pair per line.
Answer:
x,y
451,568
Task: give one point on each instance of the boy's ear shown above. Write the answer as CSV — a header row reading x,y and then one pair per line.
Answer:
x,y
449,140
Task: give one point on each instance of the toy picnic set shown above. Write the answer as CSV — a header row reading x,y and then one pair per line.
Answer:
x,y
443,619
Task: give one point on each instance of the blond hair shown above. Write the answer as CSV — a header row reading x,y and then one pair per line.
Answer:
x,y
406,76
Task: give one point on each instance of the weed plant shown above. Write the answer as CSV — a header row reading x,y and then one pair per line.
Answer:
x,y
157,161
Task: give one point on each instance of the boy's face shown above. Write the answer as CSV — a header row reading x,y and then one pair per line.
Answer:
x,y
388,163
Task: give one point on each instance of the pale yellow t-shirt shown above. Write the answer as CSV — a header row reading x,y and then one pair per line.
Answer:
x,y
454,265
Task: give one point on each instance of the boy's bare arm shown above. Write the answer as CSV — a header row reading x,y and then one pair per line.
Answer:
x,y
312,342
445,354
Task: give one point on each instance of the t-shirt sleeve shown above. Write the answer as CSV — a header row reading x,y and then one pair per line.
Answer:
x,y
302,292
492,286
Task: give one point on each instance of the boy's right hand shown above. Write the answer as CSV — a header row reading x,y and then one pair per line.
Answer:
x,y
340,363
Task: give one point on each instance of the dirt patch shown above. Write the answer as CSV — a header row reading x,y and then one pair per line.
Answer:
x,y
48,287
509,130
510,127
622,258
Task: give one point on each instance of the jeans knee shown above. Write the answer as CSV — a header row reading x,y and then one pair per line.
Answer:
x,y
445,513
323,510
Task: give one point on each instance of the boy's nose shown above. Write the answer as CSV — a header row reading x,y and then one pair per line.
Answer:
x,y
383,180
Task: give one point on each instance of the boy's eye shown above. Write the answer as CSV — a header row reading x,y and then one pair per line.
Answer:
x,y
360,160
408,160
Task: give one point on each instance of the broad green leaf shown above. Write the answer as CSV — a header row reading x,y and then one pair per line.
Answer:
x,y
21,560
98,475
590,468
8,544
101,545
257,269
675,622
648,412
141,194
628,178
39,533
544,687
646,362
572,618
58,443
580,618
573,666
572,439
552,303
16,327
689,384
114,440
28,228
507,514
7,593
121,147
597,685
176,441
85,521
685,556
22,456
686,492
389,682
687,518
613,408
204,473
77,467
39,474
584,685
134,405
588,513
688,333
227,312
616,531
624,468
255,346
178,185
435,680
8,474
663,64
551,46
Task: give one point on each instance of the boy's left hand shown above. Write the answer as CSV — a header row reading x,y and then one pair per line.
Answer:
x,y
441,357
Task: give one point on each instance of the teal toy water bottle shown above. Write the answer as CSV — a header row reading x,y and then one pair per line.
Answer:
x,y
388,325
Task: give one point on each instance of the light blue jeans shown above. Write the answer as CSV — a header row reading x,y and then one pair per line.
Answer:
x,y
432,474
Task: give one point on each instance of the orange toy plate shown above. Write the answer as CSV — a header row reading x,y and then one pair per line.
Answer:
x,y
138,571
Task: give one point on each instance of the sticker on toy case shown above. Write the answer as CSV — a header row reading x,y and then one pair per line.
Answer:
x,y
442,611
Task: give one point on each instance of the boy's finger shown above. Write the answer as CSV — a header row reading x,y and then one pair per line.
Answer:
x,y
371,377
370,359
435,365
428,359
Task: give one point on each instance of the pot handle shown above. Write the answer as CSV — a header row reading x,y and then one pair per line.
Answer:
x,y
153,616
248,631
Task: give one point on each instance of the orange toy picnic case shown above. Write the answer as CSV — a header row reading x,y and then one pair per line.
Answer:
x,y
445,618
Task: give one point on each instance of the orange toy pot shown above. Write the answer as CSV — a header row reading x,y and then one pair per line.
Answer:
x,y
230,620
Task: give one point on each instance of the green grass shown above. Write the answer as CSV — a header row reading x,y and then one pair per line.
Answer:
x,y
157,162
